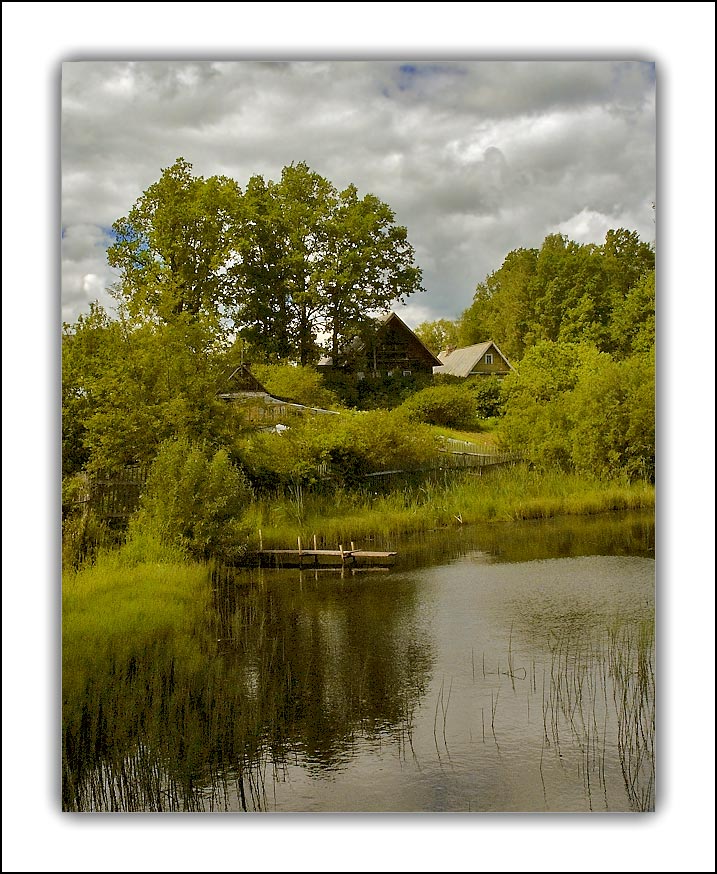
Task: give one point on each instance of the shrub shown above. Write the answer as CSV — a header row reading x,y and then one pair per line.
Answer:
x,y
297,383
488,394
196,501
450,406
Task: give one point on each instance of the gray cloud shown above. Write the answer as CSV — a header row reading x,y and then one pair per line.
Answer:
x,y
475,158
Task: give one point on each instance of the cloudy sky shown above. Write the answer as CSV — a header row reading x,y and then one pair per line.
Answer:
x,y
476,158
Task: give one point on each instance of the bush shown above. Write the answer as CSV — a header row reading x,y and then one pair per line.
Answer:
x,y
344,448
450,406
195,501
297,383
488,394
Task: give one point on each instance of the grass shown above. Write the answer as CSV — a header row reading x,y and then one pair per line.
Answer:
x,y
130,596
485,435
501,495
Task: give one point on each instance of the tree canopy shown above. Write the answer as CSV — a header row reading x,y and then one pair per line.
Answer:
x,y
566,292
280,263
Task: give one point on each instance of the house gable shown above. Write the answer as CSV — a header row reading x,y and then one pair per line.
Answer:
x,y
482,359
390,349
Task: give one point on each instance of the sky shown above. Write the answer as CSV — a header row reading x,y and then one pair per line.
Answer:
x,y
38,38
475,157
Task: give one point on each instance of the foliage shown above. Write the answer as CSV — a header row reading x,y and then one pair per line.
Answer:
x,y
438,336
86,353
173,248
452,406
195,499
341,448
281,261
298,383
375,440
488,394
632,326
613,418
130,385
563,292
573,406
311,258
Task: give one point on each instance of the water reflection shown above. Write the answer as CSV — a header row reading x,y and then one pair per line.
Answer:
x,y
484,673
293,667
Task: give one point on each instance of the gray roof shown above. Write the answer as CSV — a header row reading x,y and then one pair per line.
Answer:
x,y
462,362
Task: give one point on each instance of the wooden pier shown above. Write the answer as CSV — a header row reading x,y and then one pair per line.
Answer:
x,y
326,558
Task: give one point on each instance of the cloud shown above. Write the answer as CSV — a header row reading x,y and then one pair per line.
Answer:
x,y
475,158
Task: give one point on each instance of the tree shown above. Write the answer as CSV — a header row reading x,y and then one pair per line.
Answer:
x,y
503,307
632,326
173,248
563,292
261,275
368,266
439,335
86,349
310,259
537,420
146,383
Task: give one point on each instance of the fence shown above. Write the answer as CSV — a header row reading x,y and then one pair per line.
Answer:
x,y
114,496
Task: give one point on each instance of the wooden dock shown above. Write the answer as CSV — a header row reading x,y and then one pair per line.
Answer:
x,y
326,558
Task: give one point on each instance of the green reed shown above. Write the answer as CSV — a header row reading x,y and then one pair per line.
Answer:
x,y
505,494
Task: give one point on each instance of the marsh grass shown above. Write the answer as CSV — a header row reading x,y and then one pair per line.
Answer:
x,y
600,693
501,495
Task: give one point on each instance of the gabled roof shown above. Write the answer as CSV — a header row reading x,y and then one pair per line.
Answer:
x,y
242,381
358,344
392,318
462,362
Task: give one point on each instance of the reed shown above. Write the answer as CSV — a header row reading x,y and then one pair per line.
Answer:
x,y
503,495
602,686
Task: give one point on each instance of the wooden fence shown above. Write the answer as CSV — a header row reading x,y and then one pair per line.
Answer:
x,y
115,496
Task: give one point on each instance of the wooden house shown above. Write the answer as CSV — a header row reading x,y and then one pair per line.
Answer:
x,y
483,359
388,348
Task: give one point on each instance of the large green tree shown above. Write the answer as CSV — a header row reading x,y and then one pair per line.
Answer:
x,y
368,265
570,405
129,384
313,260
439,335
173,248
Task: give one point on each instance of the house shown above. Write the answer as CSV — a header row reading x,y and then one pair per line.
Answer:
x,y
483,359
390,348
260,407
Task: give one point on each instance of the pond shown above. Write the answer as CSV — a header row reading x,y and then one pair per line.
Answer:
x,y
506,667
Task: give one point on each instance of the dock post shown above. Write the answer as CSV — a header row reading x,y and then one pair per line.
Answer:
x,y
298,539
261,542
341,550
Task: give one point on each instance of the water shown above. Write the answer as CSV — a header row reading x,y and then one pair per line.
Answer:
x,y
504,668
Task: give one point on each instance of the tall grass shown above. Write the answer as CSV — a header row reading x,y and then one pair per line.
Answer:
x,y
504,494
127,598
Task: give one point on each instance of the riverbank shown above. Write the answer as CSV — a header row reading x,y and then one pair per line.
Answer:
x,y
501,495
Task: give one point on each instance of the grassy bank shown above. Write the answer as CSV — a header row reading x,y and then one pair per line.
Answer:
x,y
140,593
500,495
